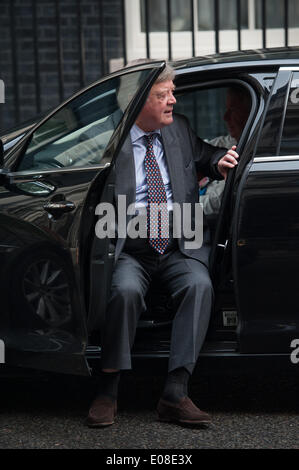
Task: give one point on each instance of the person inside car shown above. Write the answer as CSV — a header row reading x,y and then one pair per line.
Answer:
x,y
238,104
157,165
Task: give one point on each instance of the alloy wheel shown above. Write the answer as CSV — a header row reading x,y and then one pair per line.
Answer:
x,y
46,289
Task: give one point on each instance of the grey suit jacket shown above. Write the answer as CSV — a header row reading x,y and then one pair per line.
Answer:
x,y
186,154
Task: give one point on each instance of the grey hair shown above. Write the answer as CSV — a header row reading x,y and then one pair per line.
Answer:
x,y
168,73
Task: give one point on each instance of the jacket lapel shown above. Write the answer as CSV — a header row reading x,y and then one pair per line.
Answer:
x,y
125,173
175,161
125,183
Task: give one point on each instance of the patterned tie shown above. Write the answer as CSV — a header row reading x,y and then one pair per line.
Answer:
x,y
157,223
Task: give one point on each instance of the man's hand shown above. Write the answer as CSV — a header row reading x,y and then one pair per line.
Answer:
x,y
228,161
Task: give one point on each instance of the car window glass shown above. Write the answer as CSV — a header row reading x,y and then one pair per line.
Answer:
x,y
268,141
78,134
205,111
290,135
218,115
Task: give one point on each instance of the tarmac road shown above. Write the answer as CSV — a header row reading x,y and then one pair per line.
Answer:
x,y
248,412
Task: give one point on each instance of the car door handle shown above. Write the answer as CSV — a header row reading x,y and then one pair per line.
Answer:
x,y
57,208
221,245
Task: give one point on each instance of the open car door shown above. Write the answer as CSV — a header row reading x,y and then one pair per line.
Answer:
x,y
57,283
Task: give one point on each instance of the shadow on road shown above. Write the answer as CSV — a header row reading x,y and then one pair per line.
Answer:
x,y
224,392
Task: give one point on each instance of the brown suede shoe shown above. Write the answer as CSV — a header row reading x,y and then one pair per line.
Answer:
x,y
102,412
183,412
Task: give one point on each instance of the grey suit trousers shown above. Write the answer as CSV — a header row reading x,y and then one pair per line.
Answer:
x,y
186,280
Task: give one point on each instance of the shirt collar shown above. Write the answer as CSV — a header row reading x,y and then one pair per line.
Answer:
x,y
137,133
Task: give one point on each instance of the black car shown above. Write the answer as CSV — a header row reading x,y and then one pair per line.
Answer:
x,y
55,273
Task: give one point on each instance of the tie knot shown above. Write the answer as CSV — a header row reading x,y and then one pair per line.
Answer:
x,y
149,138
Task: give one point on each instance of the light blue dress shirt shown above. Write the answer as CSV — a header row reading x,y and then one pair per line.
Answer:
x,y
139,149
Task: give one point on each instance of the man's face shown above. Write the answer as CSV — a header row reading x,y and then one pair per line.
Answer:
x,y
157,111
236,115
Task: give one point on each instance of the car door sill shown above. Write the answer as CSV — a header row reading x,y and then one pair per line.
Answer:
x,y
161,349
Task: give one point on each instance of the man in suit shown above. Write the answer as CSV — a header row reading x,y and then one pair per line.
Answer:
x,y
158,164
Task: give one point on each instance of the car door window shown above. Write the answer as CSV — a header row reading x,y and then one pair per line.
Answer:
x,y
269,139
78,133
205,110
217,114
290,135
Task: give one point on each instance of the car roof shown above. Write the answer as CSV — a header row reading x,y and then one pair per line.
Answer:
x,y
269,56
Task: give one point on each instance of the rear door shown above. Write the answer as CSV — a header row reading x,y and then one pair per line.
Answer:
x,y
46,188
266,227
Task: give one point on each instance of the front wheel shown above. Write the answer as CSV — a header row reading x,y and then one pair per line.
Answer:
x,y
40,291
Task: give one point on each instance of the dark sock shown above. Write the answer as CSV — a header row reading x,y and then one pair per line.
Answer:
x,y
108,384
176,386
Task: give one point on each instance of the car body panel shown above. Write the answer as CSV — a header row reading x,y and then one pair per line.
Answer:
x,y
266,236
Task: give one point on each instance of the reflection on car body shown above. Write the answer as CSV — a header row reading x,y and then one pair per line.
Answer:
x,y
55,273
